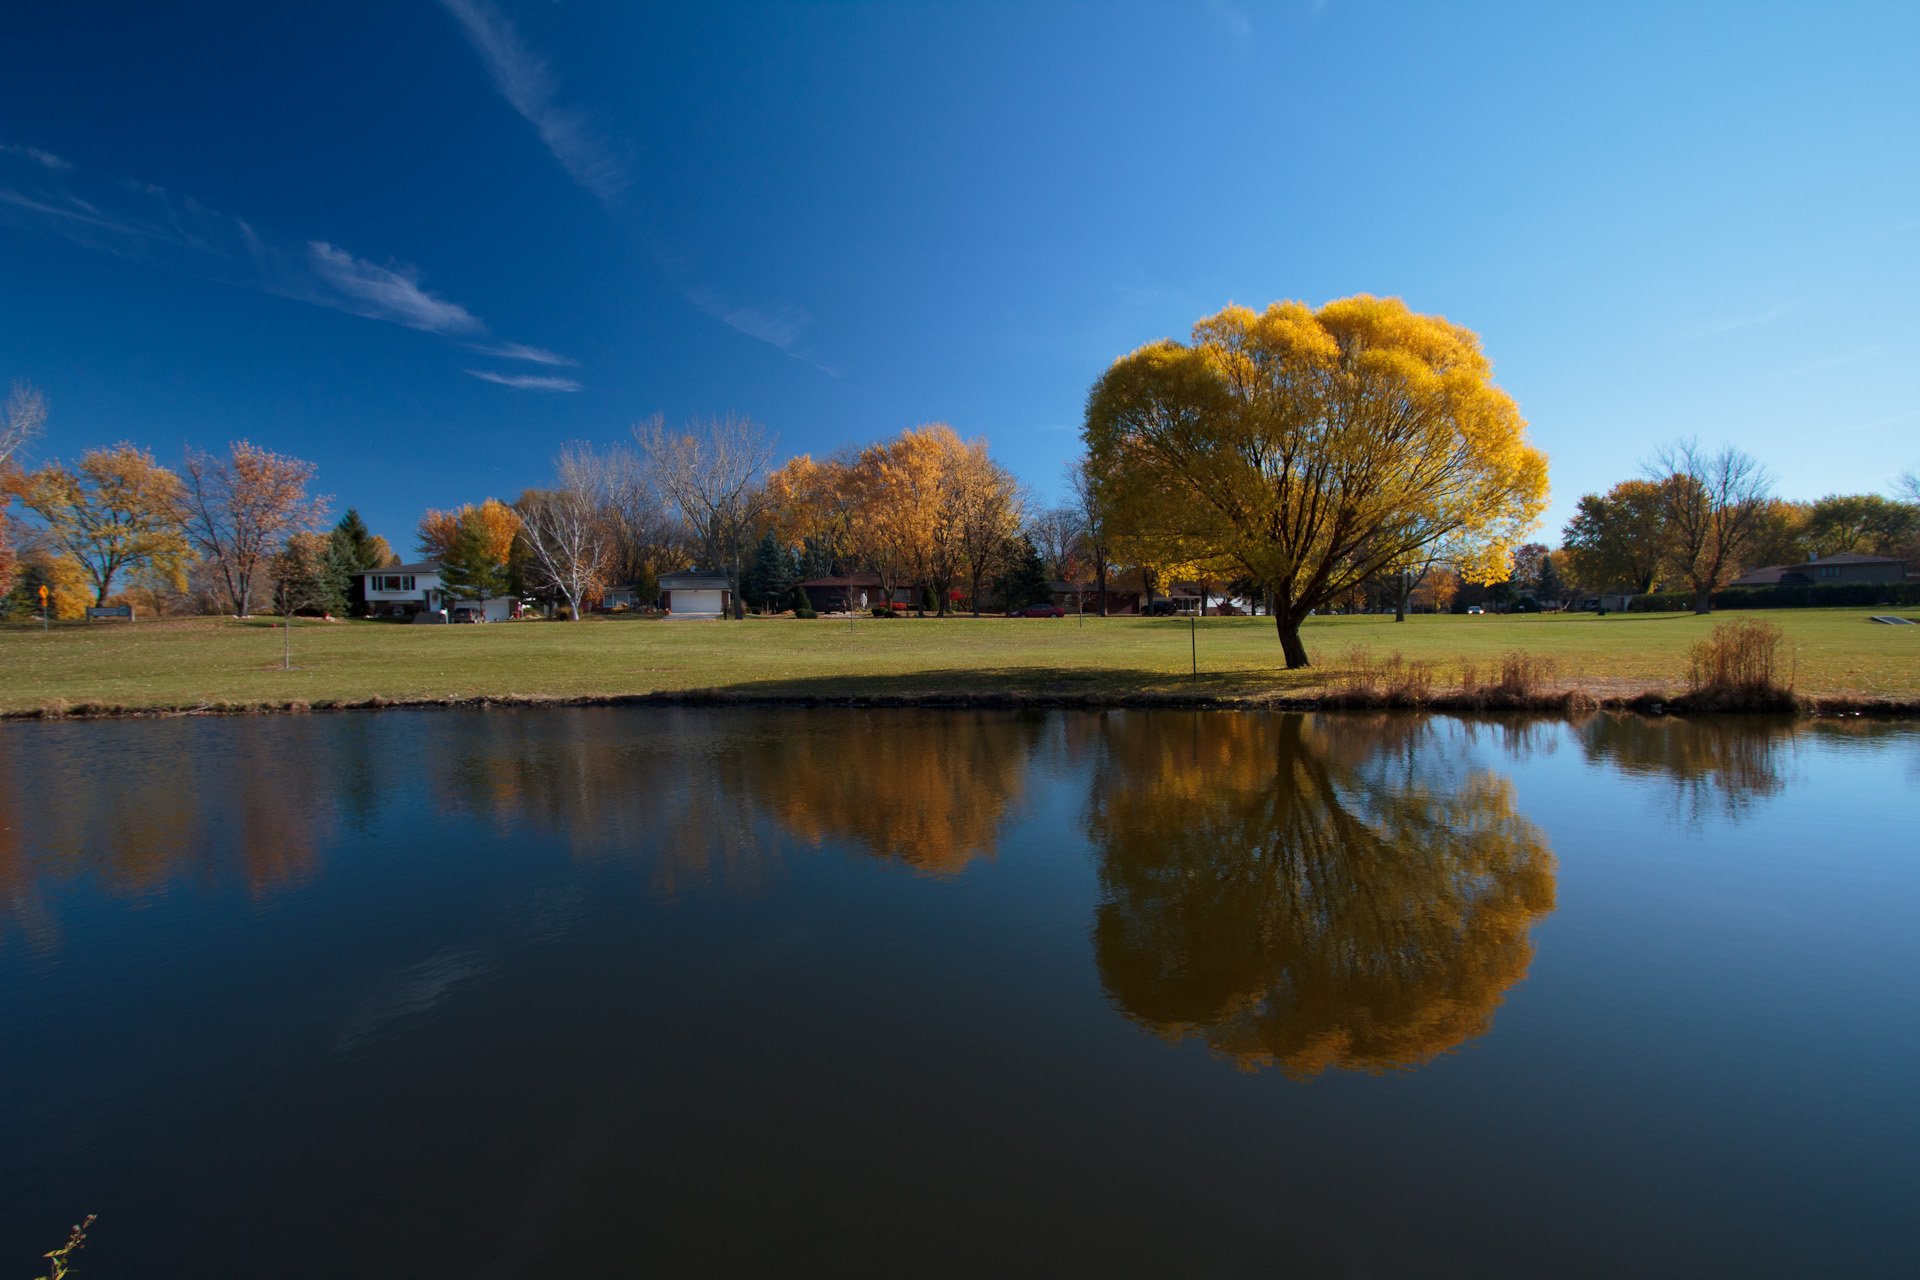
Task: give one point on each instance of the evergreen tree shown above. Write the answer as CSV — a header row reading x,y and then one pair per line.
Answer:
x,y
816,560
770,577
351,548
1549,588
469,570
337,581
1025,580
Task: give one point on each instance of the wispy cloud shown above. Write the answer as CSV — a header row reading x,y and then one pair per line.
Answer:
x,y
780,327
520,351
528,83
77,212
525,381
149,223
388,293
1768,316
45,159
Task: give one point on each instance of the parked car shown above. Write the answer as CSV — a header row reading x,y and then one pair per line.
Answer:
x,y
1041,611
1474,608
468,613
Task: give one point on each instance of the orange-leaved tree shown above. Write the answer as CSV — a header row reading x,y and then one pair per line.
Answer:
x,y
116,510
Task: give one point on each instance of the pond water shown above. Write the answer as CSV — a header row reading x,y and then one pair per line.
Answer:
x,y
643,991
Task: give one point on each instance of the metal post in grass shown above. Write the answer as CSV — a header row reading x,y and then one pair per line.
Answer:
x,y
1193,643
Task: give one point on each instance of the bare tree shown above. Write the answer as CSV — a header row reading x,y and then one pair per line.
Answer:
x,y
567,529
25,414
241,509
1712,504
1056,533
715,476
1908,485
1094,531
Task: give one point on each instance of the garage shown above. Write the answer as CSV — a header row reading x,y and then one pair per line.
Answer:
x,y
693,596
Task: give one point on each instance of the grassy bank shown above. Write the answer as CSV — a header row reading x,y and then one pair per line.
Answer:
x,y
177,665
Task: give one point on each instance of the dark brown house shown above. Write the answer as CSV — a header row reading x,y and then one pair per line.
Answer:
x,y
852,593
1846,566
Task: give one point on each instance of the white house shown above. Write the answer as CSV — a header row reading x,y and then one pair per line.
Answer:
x,y
694,595
407,589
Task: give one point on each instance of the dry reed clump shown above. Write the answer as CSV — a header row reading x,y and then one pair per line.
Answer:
x,y
1391,681
1738,667
1519,679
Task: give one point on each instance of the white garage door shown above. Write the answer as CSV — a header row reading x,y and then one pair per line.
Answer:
x,y
694,604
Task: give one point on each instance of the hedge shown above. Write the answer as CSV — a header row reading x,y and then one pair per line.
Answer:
x,y
1830,595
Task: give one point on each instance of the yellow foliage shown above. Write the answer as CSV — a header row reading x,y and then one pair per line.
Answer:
x,y
1309,450
498,522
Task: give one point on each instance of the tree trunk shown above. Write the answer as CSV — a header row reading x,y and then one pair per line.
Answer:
x,y
1290,646
1702,600
1401,590
1100,578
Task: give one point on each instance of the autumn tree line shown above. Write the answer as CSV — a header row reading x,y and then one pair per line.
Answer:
x,y
242,532
1358,454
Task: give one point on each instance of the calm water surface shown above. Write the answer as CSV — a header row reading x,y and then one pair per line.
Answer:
x,y
623,992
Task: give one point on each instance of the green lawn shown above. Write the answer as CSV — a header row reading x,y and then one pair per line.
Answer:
x,y
173,664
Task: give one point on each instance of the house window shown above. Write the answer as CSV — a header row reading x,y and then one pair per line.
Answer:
x,y
393,582
1830,571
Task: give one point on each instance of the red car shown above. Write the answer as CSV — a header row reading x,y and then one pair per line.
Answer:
x,y
1041,611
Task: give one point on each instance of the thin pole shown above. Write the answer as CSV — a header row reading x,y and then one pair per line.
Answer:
x,y
1193,642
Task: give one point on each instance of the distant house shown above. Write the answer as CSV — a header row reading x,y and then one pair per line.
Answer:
x,y
851,593
695,595
624,596
1845,566
402,589
408,589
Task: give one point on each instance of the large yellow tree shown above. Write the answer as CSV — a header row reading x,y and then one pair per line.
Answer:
x,y
1311,450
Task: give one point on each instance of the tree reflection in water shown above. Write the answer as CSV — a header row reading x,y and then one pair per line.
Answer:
x,y
1309,892
1720,764
931,792
139,807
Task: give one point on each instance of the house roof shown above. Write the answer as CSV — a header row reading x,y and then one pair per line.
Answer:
x,y
694,580
1850,557
1770,575
845,580
425,566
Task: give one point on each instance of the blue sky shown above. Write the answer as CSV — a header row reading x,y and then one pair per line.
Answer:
x,y
424,242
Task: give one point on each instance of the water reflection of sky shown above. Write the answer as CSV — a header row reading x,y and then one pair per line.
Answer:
x,y
1618,961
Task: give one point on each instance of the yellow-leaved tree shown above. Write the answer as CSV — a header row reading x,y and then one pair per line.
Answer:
x,y
1311,450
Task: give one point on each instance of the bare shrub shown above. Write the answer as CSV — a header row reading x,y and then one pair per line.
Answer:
x,y
1522,675
1739,658
1392,680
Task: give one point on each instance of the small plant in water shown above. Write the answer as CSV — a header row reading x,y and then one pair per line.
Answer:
x,y
62,1258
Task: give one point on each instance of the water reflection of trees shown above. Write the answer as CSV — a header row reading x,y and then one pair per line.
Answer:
x,y
1310,892
133,808
931,792
686,790
1723,765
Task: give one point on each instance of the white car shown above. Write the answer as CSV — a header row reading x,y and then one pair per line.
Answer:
x,y
1474,608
